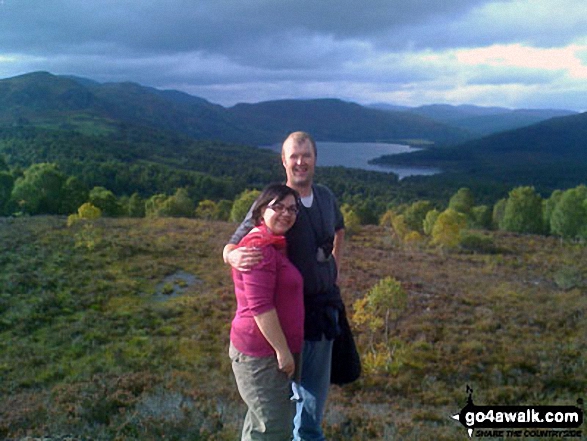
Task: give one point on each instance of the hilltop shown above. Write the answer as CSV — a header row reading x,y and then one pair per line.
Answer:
x,y
119,329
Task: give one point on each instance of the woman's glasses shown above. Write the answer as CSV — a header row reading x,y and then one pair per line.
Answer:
x,y
280,208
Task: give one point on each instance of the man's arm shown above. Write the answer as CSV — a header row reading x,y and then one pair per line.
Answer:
x,y
228,248
242,259
338,249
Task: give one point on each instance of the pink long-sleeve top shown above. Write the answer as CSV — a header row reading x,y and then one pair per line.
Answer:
x,y
274,283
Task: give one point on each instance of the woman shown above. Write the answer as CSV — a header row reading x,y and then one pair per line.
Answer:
x,y
267,331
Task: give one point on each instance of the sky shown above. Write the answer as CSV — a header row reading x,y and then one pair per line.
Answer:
x,y
509,53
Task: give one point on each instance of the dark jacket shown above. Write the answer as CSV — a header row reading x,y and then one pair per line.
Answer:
x,y
315,226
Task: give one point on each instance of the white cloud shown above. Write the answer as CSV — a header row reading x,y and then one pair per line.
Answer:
x,y
519,56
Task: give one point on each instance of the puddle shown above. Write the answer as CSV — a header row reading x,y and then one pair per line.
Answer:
x,y
174,285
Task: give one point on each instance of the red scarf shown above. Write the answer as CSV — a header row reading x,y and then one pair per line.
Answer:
x,y
263,237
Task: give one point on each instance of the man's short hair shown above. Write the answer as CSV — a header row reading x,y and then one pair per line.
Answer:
x,y
300,138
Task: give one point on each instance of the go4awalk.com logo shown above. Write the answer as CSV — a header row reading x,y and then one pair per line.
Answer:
x,y
520,421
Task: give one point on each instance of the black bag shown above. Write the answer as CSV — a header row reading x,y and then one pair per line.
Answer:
x,y
346,362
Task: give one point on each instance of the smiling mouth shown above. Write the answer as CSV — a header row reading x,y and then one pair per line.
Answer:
x,y
285,221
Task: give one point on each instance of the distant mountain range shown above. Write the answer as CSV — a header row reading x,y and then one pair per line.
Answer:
x,y
43,98
480,121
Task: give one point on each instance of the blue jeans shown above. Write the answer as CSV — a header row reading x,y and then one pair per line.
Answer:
x,y
316,360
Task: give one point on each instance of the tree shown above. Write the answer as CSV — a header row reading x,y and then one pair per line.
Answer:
x,y
498,212
366,210
377,313
548,207
523,212
179,205
447,229
40,189
352,221
481,217
136,206
6,186
415,214
224,207
154,205
89,212
381,307
462,201
399,226
242,204
569,217
75,193
85,212
429,221
386,219
106,201
207,210
3,164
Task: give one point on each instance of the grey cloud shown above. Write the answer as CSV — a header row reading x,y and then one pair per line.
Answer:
x,y
221,25
250,50
505,22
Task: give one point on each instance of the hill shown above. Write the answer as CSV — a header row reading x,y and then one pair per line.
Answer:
x,y
43,98
118,329
131,138
551,154
336,120
482,121
513,119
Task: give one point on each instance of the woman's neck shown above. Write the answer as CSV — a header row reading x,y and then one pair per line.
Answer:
x,y
262,227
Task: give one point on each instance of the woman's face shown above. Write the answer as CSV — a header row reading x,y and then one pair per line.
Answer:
x,y
280,216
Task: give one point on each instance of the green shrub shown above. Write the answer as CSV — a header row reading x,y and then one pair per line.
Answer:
x,y
446,232
242,204
86,212
352,221
429,221
477,243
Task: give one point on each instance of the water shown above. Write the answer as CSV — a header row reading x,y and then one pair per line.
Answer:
x,y
358,155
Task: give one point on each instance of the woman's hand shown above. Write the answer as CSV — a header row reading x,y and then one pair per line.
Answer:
x,y
286,362
268,324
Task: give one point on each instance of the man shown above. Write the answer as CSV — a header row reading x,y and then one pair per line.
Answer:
x,y
315,247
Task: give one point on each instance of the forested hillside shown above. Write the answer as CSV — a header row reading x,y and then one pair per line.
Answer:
x,y
548,155
336,120
48,99
137,160
129,138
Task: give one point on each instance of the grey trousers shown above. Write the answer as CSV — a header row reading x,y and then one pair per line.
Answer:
x,y
266,391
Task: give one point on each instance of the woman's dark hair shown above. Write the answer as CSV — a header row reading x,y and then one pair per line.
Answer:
x,y
272,193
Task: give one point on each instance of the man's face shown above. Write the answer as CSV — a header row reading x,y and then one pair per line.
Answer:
x,y
299,162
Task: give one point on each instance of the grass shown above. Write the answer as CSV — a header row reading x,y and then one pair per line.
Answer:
x,y
91,347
